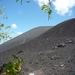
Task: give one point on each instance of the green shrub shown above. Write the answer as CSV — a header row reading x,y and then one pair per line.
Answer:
x,y
13,68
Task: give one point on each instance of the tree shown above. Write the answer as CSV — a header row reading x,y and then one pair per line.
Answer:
x,y
47,9
2,14
4,30
4,33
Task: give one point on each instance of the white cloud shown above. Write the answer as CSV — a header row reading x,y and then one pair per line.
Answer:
x,y
41,2
64,6
13,26
19,33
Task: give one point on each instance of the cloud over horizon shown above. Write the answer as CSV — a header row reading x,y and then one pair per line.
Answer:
x,y
19,33
14,26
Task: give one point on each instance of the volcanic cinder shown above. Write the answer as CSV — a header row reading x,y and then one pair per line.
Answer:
x,y
51,53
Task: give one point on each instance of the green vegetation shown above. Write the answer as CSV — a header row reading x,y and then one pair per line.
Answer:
x,y
47,9
2,13
4,30
13,68
5,33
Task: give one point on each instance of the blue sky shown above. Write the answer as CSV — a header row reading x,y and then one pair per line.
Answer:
x,y
29,15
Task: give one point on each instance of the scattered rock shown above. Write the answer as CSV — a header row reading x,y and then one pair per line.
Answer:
x,y
61,45
40,53
19,52
62,65
71,41
41,59
37,72
36,62
55,57
54,47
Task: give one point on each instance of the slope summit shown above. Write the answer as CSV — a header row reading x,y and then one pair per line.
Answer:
x,y
63,29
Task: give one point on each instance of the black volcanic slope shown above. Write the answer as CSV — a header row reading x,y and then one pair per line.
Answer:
x,y
53,52
24,38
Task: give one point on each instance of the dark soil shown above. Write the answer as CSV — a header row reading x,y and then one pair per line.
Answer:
x,y
53,52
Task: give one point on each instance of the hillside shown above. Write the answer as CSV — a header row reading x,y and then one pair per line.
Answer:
x,y
52,53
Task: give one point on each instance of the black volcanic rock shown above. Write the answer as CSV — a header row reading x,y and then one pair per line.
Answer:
x,y
39,55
